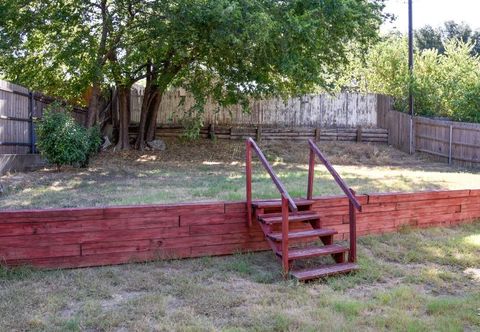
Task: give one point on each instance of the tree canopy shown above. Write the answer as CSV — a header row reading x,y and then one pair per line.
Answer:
x,y
444,84
227,50
429,37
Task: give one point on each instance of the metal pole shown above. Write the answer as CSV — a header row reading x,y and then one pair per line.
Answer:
x,y
410,70
30,124
450,137
248,167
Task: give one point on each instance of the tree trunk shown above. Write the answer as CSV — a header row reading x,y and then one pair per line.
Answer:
x,y
147,98
92,113
157,82
148,116
124,117
152,115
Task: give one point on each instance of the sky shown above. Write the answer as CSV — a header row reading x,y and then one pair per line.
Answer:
x,y
432,12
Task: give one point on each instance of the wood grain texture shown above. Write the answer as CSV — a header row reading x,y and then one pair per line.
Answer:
x,y
65,238
322,110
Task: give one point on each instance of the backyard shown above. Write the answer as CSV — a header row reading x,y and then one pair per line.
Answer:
x,y
214,170
415,280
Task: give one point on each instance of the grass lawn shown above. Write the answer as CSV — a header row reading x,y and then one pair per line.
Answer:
x,y
416,280
206,170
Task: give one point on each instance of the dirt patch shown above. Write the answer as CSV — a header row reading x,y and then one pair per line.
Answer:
x,y
214,170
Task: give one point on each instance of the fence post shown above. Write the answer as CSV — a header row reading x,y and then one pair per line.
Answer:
x,y
30,122
317,134
211,131
259,133
411,150
359,134
450,145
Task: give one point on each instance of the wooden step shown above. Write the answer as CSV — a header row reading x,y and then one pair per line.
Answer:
x,y
314,251
319,272
275,218
277,236
278,203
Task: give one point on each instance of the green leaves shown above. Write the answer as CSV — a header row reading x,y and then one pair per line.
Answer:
x,y
62,141
228,50
444,84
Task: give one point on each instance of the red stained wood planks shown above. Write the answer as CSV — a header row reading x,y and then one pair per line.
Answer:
x,y
475,192
213,219
166,209
42,240
227,228
235,207
50,215
418,196
9,229
115,235
207,240
228,249
9,253
433,203
105,259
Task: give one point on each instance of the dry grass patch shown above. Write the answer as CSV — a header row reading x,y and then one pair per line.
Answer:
x,y
214,170
245,292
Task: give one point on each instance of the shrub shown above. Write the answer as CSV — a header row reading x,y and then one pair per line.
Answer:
x,y
445,85
62,141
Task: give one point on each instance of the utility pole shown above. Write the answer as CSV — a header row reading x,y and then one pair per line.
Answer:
x,y
410,70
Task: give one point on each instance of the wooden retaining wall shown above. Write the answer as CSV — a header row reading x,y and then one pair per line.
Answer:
x,y
359,134
65,238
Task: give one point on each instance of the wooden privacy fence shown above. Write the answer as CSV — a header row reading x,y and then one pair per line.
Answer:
x,y
19,108
322,110
273,133
455,142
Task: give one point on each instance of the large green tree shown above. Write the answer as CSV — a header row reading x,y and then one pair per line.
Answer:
x,y
226,50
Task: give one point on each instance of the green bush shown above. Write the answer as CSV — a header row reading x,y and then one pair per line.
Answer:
x,y
62,141
444,84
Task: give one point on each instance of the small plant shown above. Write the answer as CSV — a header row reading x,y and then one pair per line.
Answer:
x,y
62,141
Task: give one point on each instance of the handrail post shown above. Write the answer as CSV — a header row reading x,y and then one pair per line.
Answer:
x,y
352,257
285,230
311,173
248,166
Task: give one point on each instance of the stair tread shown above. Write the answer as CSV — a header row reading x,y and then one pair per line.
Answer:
x,y
273,218
277,236
323,271
313,251
278,203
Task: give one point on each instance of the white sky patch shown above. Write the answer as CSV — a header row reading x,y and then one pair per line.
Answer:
x,y
432,12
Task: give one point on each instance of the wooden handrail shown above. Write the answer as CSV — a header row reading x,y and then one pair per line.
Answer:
x,y
314,148
250,144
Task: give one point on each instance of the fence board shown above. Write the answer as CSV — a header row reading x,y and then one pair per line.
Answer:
x,y
13,103
343,110
455,142
15,116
